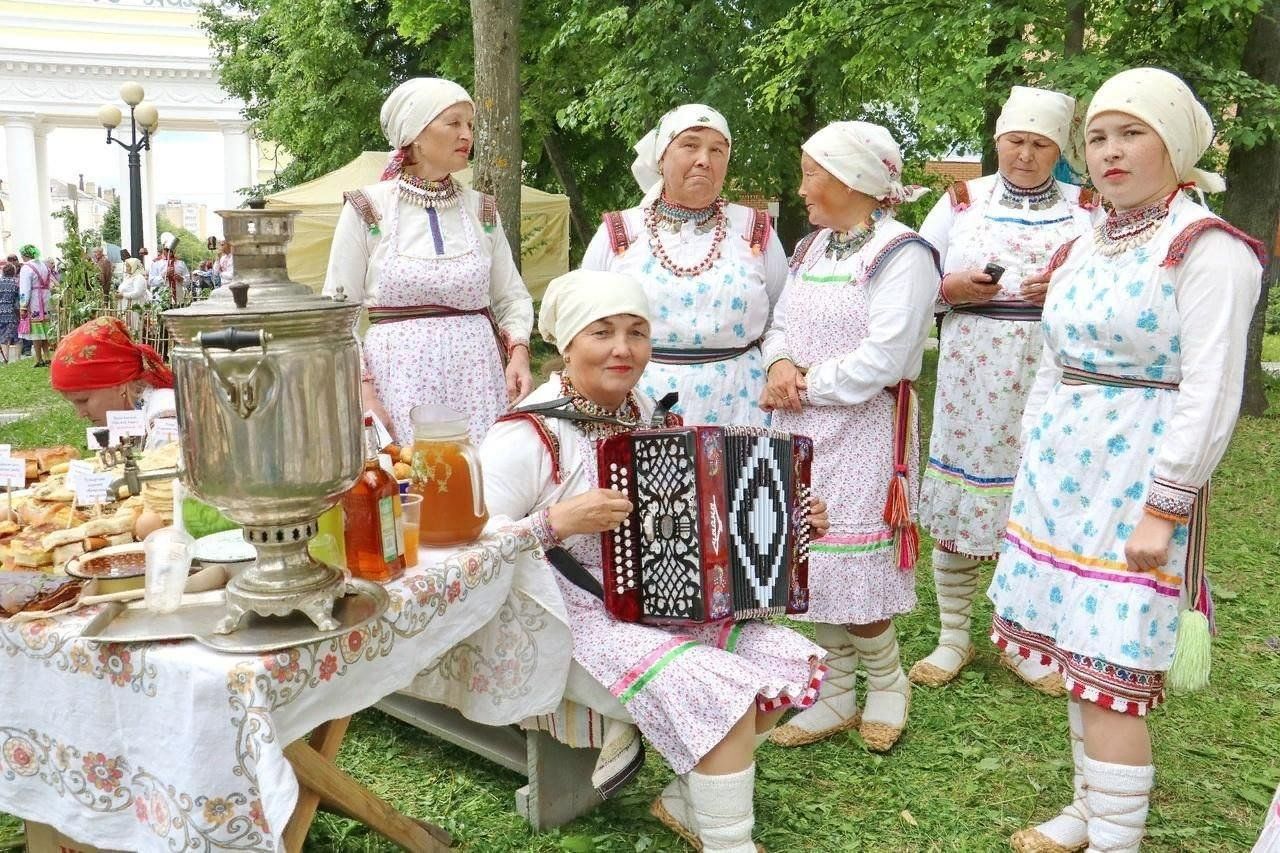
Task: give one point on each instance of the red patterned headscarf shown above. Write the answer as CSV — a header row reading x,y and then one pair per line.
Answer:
x,y
100,354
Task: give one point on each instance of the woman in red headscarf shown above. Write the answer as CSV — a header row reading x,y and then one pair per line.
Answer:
x,y
98,368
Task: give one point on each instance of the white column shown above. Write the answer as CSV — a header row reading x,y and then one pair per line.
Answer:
x,y
52,232
237,162
149,238
126,203
20,160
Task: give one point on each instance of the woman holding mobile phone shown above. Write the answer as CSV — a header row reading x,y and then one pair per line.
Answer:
x,y
992,233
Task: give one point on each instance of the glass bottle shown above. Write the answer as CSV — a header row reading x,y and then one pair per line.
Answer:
x,y
374,547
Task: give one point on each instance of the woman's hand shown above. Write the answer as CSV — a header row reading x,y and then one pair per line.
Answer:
x,y
1148,545
783,387
965,287
819,521
594,511
370,403
518,376
1036,288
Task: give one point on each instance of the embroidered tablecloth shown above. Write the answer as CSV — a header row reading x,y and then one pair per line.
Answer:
x,y
172,746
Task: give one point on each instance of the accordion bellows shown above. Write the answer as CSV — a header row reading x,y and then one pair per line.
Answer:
x,y
719,527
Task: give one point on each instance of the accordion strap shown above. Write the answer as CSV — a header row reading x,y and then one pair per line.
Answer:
x,y
563,410
574,572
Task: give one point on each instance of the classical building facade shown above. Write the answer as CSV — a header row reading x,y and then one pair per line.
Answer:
x,y
60,60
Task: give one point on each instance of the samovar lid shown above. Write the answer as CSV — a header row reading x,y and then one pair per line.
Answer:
x,y
261,284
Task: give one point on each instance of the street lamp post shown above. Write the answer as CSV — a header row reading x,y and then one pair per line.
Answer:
x,y
143,120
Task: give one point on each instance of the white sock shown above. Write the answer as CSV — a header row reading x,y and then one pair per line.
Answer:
x,y
888,691
838,700
1118,796
955,582
723,810
1070,828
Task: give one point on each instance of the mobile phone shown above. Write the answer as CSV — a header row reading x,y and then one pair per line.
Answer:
x,y
995,271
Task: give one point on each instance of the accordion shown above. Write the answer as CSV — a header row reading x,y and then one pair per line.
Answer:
x,y
719,527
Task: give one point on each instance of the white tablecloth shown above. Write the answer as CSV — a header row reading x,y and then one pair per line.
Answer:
x,y
172,746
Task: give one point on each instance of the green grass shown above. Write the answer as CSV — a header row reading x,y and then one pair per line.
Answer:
x,y
1271,347
53,420
981,758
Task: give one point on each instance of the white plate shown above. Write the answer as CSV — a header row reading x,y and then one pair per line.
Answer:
x,y
225,547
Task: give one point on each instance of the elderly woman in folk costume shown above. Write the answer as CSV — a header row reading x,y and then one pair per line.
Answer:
x,y
1134,403
712,270
989,349
704,696
846,343
98,368
450,317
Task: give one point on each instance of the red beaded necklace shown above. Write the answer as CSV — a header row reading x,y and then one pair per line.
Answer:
x,y
659,251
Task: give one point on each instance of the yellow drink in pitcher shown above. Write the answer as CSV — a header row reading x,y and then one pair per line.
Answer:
x,y
329,545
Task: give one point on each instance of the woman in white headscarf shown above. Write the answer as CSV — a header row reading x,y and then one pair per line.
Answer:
x,y
1137,394
987,355
450,317
704,696
712,270
846,342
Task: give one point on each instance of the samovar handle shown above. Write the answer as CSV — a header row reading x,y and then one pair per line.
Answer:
x,y
241,394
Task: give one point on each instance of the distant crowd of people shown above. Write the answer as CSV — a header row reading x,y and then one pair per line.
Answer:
x,y
27,283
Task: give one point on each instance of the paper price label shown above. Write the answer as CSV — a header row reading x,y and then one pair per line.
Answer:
x,y
77,469
93,489
126,422
13,473
5,451
164,430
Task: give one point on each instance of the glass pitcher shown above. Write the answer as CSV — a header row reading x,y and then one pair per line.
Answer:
x,y
446,472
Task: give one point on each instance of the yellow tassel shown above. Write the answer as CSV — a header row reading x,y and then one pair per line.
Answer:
x,y
1192,653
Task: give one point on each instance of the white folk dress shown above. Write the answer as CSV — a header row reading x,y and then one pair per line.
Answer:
x,y
728,306
859,326
986,364
1173,310
453,361
685,687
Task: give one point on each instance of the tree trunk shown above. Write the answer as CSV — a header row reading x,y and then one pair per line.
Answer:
x,y
1073,39
496,29
793,218
1253,197
998,88
582,224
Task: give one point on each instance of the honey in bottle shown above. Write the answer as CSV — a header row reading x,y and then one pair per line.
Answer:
x,y
374,547
446,472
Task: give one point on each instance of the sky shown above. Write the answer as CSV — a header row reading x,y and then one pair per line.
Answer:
x,y
178,156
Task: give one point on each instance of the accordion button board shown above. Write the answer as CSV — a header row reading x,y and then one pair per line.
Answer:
x,y
719,527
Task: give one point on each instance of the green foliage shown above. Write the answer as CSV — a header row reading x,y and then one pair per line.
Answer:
x,y
1272,320
111,223
78,294
191,248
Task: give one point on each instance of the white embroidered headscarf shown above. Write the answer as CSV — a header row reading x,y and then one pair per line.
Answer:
x,y
1163,101
1041,111
577,299
410,107
862,156
647,167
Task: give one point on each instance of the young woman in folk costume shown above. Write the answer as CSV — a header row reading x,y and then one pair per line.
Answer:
x,y
846,343
35,290
712,270
987,357
1134,403
449,316
704,696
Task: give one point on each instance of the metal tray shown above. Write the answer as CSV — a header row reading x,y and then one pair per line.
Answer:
x,y
200,613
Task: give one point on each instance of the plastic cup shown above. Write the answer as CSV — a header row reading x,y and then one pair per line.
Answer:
x,y
168,552
410,517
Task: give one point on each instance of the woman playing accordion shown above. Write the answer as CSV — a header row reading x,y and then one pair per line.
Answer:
x,y
704,695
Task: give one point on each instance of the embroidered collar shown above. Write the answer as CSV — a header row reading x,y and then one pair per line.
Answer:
x,y
1042,197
